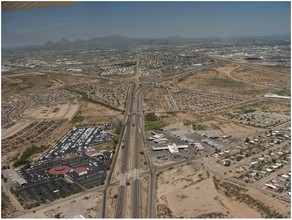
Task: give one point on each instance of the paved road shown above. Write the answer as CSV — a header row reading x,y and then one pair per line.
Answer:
x,y
120,208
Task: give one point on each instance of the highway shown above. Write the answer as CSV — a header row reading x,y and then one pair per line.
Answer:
x,y
124,167
134,125
127,122
134,142
139,142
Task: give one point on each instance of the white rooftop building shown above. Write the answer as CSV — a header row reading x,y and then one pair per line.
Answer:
x,y
173,148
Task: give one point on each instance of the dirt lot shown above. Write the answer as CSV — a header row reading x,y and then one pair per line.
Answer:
x,y
219,79
14,129
94,113
190,191
153,100
221,126
88,206
111,202
66,111
267,105
7,207
261,77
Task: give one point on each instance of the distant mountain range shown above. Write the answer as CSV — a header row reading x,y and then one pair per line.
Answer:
x,y
121,42
113,41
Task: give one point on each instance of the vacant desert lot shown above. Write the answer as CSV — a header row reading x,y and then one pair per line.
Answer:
x,y
190,191
14,129
66,111
88,206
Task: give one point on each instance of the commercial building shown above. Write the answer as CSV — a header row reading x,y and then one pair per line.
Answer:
x,y
160,140
92,152
21,181
59,170
173,148
81,171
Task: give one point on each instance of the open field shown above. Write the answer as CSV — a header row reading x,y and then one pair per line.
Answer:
x,y
88,206
112,196
219,80
91,113
208,91
261,77
14,129
7,207
192,191
65,111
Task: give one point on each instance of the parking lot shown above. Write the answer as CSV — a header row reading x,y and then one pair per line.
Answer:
x,y
96,169
42,186
51,190
78,139
161,157
86,167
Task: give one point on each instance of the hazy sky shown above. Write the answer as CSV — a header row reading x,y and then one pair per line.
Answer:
x,y
144,19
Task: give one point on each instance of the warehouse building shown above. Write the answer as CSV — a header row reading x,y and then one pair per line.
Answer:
x,y
173,148
81,171
21,181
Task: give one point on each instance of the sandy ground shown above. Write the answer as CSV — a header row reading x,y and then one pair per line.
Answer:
x,y
98,114
23,74
88,206
14,129
185,198
128,213
216,125
278,205
145,190
261,77
111,202
72,111
268,105
217,79
153,100
65,111
188,191
234,129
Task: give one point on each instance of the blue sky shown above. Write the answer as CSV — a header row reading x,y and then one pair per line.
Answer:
x,y
144,19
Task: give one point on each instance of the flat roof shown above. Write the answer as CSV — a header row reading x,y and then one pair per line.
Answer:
x,y
79,170
160,148
21,181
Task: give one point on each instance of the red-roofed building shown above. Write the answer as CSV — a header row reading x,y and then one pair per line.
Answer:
x,y
81,171
59,170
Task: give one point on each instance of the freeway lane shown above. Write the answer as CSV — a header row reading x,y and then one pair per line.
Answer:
x,y
138,143
126,122
124,168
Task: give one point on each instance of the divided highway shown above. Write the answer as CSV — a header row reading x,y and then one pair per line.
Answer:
x,y
134,139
